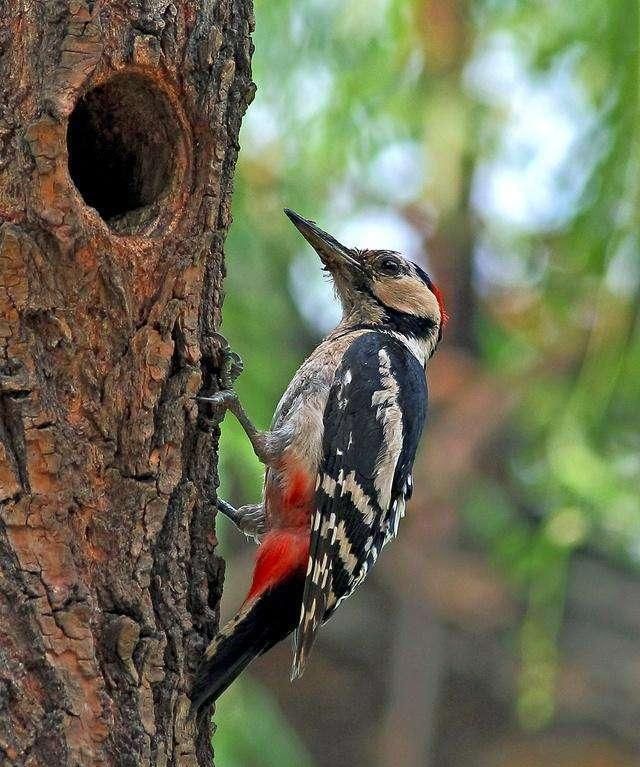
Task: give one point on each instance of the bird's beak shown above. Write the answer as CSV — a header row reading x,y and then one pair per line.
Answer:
x,y
336,257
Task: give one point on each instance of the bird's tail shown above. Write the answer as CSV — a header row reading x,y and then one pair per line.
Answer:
x,y
269,614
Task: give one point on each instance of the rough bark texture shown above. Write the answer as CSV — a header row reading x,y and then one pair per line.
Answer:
x,y
118,137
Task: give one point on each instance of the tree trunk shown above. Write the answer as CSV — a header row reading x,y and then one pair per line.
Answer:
x,y
118,138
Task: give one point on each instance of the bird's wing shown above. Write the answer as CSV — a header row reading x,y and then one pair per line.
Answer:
x,y
372,423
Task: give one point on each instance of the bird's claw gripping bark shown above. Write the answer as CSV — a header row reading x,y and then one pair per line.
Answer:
x,y
250,519
225,399
232,367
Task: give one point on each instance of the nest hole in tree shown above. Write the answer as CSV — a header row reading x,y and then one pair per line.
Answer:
x,y
123,142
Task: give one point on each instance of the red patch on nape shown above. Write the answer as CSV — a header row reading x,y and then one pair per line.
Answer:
x,y
440,299
282,553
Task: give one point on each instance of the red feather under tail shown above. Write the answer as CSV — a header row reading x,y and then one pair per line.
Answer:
x,y
281,553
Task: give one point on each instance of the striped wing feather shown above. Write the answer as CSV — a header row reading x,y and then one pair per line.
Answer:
x,y
372,423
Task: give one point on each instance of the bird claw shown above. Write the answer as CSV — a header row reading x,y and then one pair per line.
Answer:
x,y
226,508
220,399
250,520
232,367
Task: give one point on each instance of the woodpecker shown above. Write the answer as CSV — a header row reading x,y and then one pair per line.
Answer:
x,y
338,457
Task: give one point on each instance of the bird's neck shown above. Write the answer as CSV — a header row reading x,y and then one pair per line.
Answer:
x,y
418,340
363,314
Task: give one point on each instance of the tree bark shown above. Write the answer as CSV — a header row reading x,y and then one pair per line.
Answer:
x,y
119,129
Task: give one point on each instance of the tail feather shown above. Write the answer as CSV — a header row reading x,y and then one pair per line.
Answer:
x,y
261,623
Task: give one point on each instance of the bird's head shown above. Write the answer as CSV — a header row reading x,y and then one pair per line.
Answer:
x,y
379,287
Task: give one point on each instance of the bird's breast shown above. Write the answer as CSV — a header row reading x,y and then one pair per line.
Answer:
x,y
299,420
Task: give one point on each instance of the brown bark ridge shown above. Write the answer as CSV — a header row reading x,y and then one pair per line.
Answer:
x,y
119,129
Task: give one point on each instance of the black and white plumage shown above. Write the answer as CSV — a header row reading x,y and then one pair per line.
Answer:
x,y
372,424
338,457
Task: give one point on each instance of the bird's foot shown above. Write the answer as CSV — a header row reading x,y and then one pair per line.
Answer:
x,y
227,399
250,519
232,366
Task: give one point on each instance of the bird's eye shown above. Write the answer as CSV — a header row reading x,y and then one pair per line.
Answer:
x,y
390,266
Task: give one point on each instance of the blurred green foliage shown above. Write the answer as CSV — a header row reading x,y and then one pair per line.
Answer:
x,y
519,123
253,733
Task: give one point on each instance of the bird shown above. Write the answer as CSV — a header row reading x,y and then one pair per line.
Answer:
x,y
338,457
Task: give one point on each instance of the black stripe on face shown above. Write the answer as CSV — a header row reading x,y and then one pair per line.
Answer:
x,y
408,324
402,322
